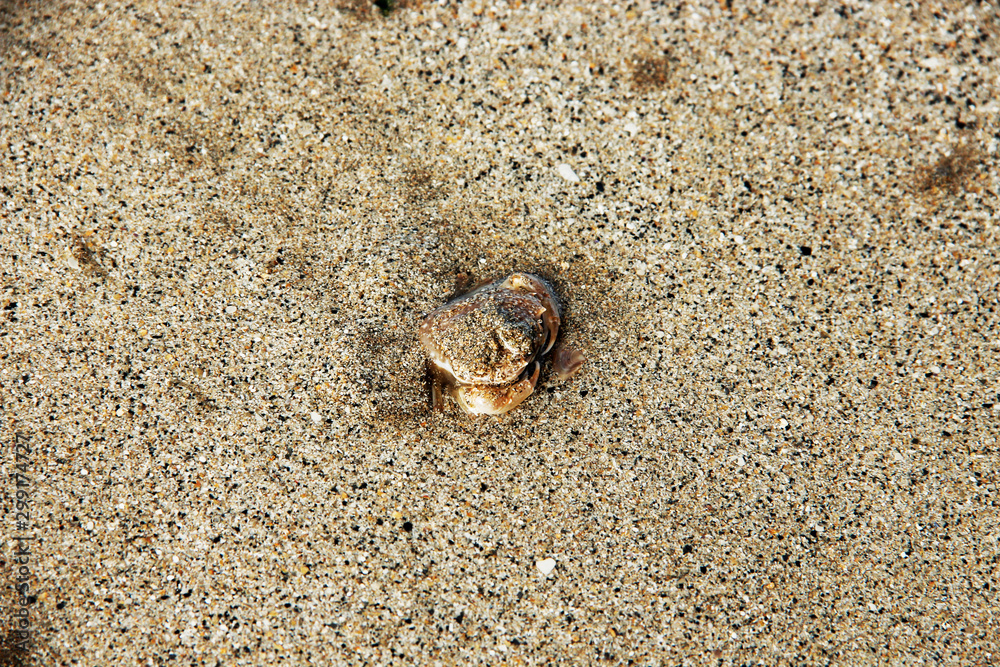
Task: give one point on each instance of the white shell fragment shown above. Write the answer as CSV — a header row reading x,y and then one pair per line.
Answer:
x,y
546,566
567,172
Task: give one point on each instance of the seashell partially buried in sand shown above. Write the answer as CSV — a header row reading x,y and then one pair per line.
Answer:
x,y
484,347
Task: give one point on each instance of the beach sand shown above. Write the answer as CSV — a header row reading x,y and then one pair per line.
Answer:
x,y
774,230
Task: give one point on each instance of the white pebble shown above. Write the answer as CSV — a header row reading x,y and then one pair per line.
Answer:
x,y
640,268
546,566
230,310
316,417
567,172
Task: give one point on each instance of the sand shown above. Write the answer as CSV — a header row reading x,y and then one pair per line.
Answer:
x,y
774,230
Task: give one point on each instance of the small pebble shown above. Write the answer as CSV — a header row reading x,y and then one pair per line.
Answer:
x,y
546,566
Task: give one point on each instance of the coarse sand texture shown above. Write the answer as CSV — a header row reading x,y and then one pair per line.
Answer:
x,y
773,233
